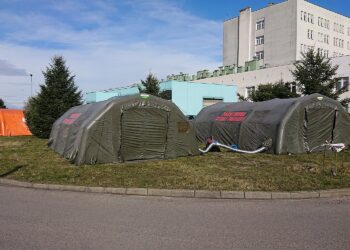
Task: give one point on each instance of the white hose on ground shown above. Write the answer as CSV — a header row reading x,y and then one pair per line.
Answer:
x,y
334,146
232,149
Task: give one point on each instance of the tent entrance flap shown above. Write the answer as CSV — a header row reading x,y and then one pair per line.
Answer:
x,y
143,133
319,126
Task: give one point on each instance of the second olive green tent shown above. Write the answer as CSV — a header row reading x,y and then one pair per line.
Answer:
x,y
295,125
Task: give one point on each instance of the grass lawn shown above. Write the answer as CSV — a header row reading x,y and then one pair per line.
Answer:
x,y
29,159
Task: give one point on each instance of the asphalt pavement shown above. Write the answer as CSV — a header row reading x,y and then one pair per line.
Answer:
x,y
44,219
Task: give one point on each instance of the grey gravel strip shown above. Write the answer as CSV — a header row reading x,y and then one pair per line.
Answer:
x,y
334,193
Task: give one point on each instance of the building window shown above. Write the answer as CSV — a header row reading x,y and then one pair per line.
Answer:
x,y
348,45
349,31
305,48
310,34
326,39
323,52
343,83
338,42
249,91
339,28
346,83
335,54
293,87
259,55
320,37
259,40
326,24
307,17
326,53
260,25
322,22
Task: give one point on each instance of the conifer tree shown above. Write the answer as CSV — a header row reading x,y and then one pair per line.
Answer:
x,y
2,104
56,96
150,85
314,73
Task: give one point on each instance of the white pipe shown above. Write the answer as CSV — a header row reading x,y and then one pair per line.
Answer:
x,y
232,149
336,146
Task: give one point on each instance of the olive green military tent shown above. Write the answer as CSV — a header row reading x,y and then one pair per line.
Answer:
x,y
295,125
122,129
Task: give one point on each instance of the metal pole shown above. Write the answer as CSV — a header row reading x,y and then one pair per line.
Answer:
x,y
31,85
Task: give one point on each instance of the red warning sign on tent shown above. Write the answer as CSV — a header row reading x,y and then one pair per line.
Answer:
x,y
231,117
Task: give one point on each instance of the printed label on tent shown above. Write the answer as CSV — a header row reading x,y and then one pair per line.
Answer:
x,y
231,117
183,127
71,118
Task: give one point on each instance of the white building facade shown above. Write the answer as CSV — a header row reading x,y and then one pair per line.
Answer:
x,y
248,81
276,36
278,33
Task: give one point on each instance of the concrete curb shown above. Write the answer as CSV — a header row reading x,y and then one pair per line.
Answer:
x,y
248,195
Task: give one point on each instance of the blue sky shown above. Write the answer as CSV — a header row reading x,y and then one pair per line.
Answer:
x,y
111,43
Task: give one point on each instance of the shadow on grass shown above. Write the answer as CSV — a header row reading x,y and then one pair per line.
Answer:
x,y
15,169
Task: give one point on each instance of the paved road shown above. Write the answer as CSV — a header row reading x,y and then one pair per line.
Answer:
x,y
39,219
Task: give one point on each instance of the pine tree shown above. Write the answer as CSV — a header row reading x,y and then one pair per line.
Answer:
x,y
314,73
2,104
56,96
150,85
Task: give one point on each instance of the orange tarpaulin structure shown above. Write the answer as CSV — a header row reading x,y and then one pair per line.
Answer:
x,y
12,123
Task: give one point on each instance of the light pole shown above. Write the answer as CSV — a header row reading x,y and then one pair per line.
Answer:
x,y
31,84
